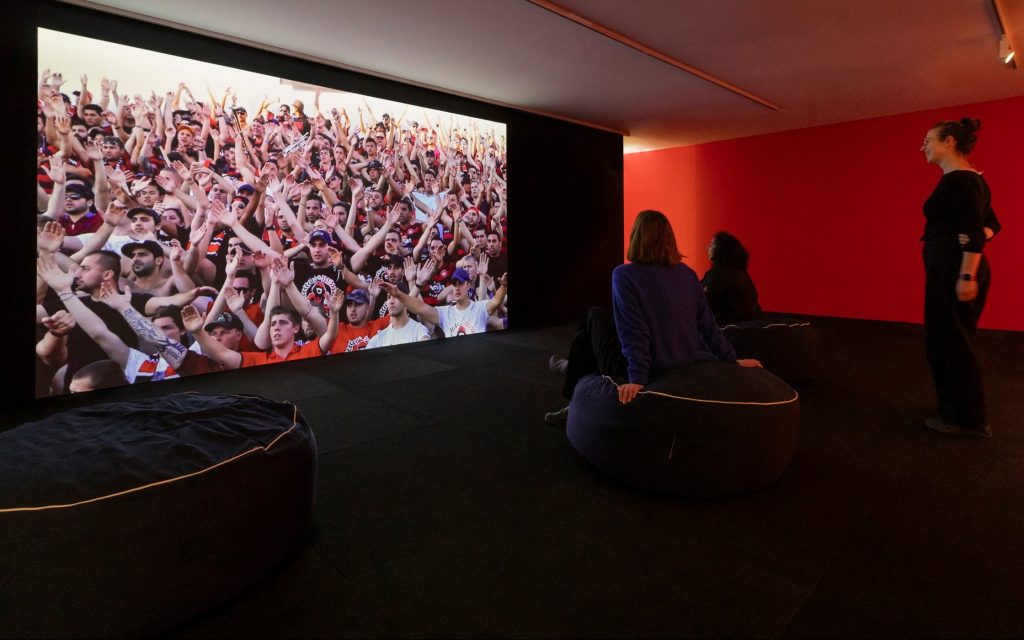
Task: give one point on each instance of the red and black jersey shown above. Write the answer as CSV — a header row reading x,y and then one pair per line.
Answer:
x,y
89,223
411,235
122,163
433,288
286,241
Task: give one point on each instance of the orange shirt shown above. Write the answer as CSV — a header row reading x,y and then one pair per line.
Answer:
x,y
355,338
256,358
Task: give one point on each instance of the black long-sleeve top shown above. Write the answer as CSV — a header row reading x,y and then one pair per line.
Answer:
x,y
731,294
960,203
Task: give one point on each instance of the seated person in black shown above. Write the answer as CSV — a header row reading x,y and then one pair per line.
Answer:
x,y
729,288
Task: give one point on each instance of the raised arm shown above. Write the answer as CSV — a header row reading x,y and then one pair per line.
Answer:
x,y
220,302
328,336
182,281
362,255
93,326
228,218
111,219
194,324
499,296
57,174
414,305
285,276
171,350
52,348
236,303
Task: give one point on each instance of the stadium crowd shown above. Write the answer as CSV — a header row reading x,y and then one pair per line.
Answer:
x,y
179,236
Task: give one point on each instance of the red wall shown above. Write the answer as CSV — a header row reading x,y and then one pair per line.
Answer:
x,y
832,215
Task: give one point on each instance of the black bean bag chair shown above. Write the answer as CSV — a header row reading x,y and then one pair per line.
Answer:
x,y
124,519
707,430
788,347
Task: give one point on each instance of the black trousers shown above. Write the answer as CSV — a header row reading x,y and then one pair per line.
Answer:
x,y
949,326
595,348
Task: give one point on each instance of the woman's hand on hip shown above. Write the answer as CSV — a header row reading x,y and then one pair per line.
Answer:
x,y
628,391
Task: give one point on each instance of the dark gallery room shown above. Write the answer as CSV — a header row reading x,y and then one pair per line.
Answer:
x,y
758,373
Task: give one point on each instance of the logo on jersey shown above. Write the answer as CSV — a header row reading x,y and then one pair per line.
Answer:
x,y
320,290
357,344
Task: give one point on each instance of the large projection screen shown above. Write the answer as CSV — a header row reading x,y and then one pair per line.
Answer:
x,y
196,218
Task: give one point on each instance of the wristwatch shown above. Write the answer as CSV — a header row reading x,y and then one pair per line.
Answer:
x,y
966,277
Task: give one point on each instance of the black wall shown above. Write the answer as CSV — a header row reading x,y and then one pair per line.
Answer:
x,y
565,180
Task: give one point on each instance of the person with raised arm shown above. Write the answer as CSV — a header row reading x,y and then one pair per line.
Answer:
x,y
401,328
464,317
282,326
137,366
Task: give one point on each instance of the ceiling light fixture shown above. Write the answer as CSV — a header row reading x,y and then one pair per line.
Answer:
x,y
1009,41
1005,52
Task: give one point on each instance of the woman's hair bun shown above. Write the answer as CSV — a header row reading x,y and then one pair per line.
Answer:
x,y
971,123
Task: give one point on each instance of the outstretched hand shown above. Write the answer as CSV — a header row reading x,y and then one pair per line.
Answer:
x,y
389,288
192,320
114,298
50,237
60,323
52,274
235,300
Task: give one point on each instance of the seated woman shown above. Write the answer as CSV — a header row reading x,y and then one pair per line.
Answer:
x,y
661,320
730,291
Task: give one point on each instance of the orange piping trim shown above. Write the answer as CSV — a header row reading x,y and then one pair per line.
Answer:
x,y
295,421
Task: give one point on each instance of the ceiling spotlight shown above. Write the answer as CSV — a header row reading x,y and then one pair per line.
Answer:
x,y
1005,52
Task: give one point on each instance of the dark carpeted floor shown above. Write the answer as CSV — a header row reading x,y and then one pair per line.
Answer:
x,y
446,508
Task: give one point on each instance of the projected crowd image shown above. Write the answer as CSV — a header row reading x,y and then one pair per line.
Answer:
x,y
194,218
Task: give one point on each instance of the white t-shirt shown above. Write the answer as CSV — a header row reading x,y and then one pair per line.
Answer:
x,y
412,332
430,201
458,322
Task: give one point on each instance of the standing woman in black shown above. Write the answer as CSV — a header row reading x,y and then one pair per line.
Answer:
x,y
956,277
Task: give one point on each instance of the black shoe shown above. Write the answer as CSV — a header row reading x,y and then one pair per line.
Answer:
x,y
557,418
938,424
557,365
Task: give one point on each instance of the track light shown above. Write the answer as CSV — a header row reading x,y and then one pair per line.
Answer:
x,y
1005,52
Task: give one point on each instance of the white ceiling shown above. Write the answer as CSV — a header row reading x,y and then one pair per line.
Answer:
x,y
820,61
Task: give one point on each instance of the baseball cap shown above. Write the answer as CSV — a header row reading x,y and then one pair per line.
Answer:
x,y
224,319
151,246
359,296
322,236
395,259
79,189
245,186
375,164
461,275
144,210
